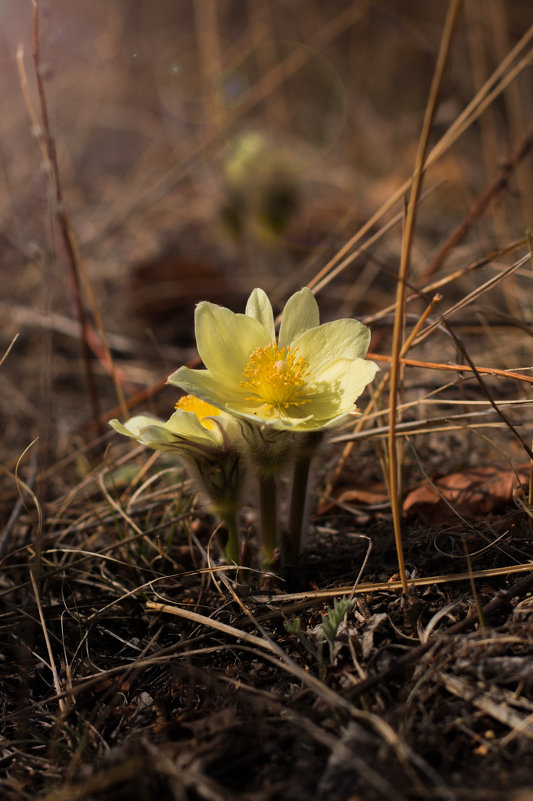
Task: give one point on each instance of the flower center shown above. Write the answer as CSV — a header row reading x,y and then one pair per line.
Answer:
x,y
202,410
276,377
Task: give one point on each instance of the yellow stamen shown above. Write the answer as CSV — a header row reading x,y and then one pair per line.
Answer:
x,y
202,410
276,377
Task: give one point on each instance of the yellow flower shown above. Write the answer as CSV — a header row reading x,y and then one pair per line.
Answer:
x,y
192,428
204,438
307,379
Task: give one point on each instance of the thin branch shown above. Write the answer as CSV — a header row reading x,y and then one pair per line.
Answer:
x,y
77,267
486,391
47,145
469,368
502,76
496,185
449,27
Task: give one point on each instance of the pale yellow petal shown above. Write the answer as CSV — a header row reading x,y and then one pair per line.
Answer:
x,y
205,386
321,425
299,315
135,425
188,425
146,430
329,401
339,386
260,308
265,416
225,341
180,428
340,339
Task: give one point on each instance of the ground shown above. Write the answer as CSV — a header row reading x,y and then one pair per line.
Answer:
x,y
204,149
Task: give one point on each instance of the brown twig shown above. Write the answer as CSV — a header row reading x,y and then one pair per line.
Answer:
x,y
339,468
379,357
497,184
487,393
490,90
47,145
399,319
75,261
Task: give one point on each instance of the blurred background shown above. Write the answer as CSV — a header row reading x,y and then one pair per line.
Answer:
x,y
209,146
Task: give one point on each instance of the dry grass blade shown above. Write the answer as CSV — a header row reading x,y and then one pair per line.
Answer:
x,y
399,317
392,584
470,113
362,249
454,276
212,623
52,664
424,425
489,396
457,368
499,182
8,349
472,296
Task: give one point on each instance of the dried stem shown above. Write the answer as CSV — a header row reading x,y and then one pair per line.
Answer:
x,y
496,185
458,368
382,386
449,26
55,675
502,76
48,150
75,261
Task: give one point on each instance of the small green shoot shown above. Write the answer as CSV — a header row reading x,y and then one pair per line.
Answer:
x,y
294,627
332,620
329,629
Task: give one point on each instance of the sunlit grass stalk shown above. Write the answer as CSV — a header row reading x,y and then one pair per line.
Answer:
x,y
502,76
449,26
336,474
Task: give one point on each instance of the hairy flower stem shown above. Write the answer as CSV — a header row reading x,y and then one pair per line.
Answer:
x,y
269,513
292,543
232,549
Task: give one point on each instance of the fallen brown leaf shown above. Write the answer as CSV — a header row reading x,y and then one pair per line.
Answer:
x,y
473,493
366,493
